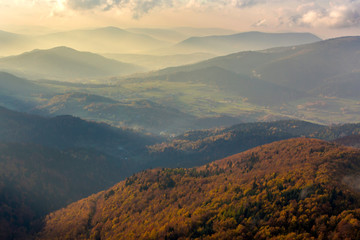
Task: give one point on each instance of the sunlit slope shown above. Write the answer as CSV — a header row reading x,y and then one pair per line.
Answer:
x,y
303,188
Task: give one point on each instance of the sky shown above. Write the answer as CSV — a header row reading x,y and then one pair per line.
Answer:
x,y
324,18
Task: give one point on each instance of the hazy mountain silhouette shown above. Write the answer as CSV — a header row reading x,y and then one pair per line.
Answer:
x,y
102,40
64,63
155,62
180,33
11,43
226,44
303,67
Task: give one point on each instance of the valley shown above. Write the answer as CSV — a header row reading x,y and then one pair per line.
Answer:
x,y
177,133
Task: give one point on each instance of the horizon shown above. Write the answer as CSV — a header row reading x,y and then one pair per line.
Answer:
x,y
326,19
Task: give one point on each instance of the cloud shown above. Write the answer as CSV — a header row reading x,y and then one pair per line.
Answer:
x,y
334,15
247,3
142,7
94,4
260,23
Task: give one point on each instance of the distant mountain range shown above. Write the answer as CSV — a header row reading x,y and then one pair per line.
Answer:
x,y
305,82
154,62
113,40
302,188
11,43
64,63
226,44
46,98
180,33
303,67
102,40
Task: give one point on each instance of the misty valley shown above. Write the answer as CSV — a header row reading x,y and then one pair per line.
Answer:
x,y
179,133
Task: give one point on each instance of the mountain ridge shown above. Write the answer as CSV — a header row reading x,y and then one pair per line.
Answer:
x,y
242,196
226,44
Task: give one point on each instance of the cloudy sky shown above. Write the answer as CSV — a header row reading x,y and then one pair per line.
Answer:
x,y
325,18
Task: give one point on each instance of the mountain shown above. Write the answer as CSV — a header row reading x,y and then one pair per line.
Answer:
x,y
167,35
65,132
303,67
255,90
350,141
143,114
65,64
298,188
139,114
18,93
8,37
198,147
155,62
35,180
313,82
102,40
12,85
12,43
192,31
340,86
180,33
46,163
226,44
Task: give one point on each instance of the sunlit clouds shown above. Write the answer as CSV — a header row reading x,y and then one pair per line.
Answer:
x,y
339,14
241,15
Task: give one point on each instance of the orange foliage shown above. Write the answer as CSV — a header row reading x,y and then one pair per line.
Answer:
x,y
292,189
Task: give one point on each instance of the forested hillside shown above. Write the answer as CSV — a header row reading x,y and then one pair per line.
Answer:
x,y
195,148
35,180
293,189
